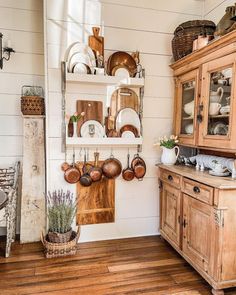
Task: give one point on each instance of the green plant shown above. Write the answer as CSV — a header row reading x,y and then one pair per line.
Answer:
x,y
170,142
76,117
61,211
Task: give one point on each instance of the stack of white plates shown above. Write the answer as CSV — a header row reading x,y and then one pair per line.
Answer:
x,y
80,58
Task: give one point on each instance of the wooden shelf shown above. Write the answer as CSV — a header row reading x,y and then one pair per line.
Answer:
x,y
105,141
219,116
187,118
105,80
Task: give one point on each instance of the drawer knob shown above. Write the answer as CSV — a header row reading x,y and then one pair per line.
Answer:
x,y
170,178
196,189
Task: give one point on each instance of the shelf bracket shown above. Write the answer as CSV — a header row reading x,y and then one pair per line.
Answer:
x,y
63,106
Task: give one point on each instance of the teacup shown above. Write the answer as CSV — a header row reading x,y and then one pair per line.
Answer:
x,y
214,108
219,169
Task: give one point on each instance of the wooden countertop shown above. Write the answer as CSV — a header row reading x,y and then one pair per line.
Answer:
x,y
203,177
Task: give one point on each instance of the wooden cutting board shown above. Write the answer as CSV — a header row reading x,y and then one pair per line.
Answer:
x,y
123,98
96,42
93,111
96,203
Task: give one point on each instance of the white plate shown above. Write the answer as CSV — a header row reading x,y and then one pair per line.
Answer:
x,y
79,57
128,116
128,134
83,50
122,72
80,68
214,173
92,129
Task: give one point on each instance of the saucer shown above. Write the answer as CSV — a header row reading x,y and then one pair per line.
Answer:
x,y
215,173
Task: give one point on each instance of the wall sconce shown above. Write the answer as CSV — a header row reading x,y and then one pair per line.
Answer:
x,y
5,52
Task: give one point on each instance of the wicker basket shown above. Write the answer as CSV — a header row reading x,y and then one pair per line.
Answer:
x,y
186,33
52,250
54,237
32,101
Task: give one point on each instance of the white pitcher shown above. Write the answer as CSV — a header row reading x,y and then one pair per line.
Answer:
x,y
216,96
169,156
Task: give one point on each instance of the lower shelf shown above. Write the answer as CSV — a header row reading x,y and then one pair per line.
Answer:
x,y
106,141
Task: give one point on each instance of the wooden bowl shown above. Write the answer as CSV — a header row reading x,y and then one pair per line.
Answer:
x,y
121,59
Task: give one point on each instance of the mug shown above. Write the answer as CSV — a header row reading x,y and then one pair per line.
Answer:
x,y
214,108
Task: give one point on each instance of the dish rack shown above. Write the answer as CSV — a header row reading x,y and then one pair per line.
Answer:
x,y
104,81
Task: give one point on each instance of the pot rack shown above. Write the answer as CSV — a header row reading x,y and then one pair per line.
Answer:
x,y
75,142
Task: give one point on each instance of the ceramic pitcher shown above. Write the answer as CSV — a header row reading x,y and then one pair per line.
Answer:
x,y
216,96
169,156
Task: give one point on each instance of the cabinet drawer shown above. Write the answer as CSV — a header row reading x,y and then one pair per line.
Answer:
x,y
170,177
198,190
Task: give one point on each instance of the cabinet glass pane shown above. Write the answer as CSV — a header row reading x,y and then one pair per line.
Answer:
x,y
219,102
187,112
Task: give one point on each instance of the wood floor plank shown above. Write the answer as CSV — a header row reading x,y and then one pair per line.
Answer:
x,y
144,265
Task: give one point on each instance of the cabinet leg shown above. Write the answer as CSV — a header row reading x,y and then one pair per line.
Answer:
x,y
217,292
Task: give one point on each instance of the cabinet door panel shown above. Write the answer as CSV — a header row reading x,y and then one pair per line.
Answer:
x,y
197,231
170,216
217,99
186,107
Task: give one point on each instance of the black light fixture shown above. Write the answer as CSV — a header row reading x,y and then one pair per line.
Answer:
x,y
5,52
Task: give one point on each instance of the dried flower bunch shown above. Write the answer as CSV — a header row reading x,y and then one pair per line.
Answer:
x,y
168,142
61,211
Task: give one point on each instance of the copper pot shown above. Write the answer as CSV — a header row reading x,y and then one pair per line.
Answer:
x,y
111,167
72,174
128,172
85,179
139,167
96,172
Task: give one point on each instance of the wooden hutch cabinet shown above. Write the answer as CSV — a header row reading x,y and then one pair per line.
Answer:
x,y
197,210
205,107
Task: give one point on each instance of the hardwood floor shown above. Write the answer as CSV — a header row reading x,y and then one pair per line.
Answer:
x,y
146,265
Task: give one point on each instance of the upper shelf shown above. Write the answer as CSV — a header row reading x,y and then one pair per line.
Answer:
x,y
105,80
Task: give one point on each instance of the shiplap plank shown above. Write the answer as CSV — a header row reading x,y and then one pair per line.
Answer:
x,y
130,227
23,20
210,5
11,125
64,33
25,63
9,162
11,146
23,4
90,11
180,6
32,42
219,10
9,104
156,19
11,83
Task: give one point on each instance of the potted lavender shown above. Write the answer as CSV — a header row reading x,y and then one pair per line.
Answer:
x,y
61,212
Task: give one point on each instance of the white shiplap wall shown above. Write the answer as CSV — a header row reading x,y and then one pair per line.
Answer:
x,y
22,22
129,25
215,9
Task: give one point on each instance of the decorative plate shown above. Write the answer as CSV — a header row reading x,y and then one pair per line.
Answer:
x,y
92,129
128,116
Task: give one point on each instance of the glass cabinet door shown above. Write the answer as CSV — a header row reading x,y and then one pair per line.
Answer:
x,y
217,96
186,107
218,116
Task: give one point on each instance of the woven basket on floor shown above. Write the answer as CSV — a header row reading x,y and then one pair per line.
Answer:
x,y
52,250
186,33
59,238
